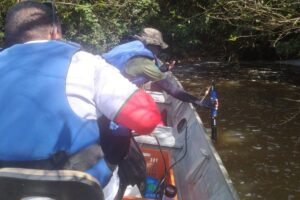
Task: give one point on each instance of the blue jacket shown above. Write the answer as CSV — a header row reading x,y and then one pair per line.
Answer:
x,y
121,54
36,119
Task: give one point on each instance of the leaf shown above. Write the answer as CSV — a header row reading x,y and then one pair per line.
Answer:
x,y
233,38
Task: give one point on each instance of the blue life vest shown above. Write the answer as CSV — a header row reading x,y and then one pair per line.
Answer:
x,y
36,118
121,54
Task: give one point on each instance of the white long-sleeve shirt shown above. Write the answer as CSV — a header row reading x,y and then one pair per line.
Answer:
x,y
94,87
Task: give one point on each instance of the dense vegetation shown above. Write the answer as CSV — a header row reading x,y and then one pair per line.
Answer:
x,y
246,29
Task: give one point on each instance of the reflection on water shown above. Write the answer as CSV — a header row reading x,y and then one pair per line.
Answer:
x,y
258,126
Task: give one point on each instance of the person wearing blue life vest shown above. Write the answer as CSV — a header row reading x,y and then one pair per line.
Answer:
x,y
137,60
53,92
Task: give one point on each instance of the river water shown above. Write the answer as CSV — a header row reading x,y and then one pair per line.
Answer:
x,y
258,125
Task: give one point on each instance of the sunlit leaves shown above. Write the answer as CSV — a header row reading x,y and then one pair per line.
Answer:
x,y
232,38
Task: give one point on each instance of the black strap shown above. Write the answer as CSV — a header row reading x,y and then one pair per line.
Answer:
x,y
54,162
114,143
81,161
87,158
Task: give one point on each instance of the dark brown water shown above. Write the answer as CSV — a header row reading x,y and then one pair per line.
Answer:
x,y
258,126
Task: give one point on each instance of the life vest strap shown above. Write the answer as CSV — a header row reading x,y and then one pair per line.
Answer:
x,y
61,160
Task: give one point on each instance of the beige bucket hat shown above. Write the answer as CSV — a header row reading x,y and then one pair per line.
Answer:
x,y
152,36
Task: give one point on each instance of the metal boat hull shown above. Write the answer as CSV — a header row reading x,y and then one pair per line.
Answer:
x,y
200,175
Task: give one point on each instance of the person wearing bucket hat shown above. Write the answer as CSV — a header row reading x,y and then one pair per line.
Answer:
x,y
137,60
151,36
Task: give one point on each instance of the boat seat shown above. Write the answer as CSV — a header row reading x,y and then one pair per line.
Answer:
x,y
164,135
158,97
25,184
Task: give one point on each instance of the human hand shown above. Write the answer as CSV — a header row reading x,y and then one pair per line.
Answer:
x,y
203,103
167,66
170,65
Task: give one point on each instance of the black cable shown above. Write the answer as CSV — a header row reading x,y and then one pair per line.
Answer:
x,y
161,185
162,155
185,151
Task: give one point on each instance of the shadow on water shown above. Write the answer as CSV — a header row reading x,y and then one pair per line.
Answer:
x,y
258,126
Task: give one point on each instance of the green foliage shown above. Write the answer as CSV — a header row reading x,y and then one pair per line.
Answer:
x,y
215,26
99,25
251,22
289,48
81,25
4,5
228,27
